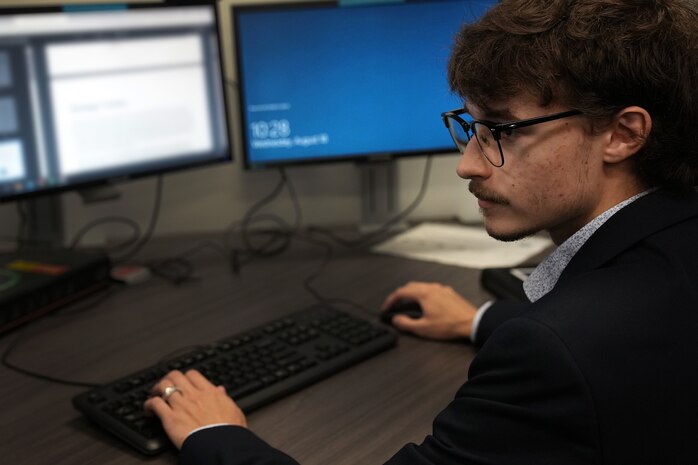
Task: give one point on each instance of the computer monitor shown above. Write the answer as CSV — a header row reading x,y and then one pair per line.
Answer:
x,y
95,94
346,80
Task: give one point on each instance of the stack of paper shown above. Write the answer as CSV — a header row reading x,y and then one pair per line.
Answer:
x,y
459,245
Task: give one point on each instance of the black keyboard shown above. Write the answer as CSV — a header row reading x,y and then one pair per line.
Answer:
x,y
256,367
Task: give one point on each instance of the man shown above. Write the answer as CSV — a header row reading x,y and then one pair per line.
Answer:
x,y
582,124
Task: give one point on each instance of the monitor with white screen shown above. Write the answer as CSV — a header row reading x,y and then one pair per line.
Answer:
x,y
91,94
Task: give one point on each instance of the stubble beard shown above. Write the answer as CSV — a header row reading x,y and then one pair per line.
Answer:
x,y
484,194
510,236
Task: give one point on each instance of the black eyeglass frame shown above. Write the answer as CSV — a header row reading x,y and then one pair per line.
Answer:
x,y
497,128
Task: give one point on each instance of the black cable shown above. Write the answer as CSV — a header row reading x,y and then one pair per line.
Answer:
x,y
24,336
109,219
385,227
179,269
277,239
151,227
265,250
136,238
238,257
241,257
200,246
234,255
33,374
307,283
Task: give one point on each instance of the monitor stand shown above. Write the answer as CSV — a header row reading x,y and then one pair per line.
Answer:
x,y
44,220
44,226
379,196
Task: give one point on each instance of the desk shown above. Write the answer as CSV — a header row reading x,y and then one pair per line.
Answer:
x,y
361,415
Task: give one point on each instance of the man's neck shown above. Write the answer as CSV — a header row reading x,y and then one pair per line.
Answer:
x,y
605,202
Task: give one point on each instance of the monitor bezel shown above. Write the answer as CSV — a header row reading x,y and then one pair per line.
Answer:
x,y
241,116
224,156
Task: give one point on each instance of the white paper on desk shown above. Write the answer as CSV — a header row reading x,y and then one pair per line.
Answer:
x,y
459,245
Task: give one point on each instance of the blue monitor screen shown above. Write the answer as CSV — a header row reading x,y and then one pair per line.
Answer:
x,y
336,81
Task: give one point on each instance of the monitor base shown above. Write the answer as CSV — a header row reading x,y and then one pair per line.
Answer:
x,y
379,197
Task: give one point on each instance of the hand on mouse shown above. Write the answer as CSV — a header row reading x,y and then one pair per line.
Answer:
x,y
446,315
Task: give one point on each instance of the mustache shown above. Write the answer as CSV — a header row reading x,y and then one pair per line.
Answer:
x,y
481,193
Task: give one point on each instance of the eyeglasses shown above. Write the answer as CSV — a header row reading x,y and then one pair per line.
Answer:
x,y
487,133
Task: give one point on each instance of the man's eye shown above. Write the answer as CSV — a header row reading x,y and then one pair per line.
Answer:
x,y
508,133
484,138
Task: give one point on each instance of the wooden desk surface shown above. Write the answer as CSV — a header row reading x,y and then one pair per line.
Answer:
x,y
361,415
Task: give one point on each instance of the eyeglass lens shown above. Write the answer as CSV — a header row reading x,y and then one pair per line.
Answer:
x,y
483,135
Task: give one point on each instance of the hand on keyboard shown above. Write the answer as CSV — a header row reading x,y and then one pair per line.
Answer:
x,y
256,367
195,403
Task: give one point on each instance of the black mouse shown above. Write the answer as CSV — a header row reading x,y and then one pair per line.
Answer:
x,y
410,308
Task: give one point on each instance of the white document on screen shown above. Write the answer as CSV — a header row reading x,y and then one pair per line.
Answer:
x,y
467,246
124,100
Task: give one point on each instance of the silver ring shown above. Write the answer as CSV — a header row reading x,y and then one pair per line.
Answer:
x,y
169,390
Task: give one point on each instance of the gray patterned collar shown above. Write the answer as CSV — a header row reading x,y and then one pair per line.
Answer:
x,y
545,276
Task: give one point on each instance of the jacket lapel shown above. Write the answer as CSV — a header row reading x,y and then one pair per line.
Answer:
x,y
647,215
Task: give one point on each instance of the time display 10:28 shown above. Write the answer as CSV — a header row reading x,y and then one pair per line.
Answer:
x,y
272,129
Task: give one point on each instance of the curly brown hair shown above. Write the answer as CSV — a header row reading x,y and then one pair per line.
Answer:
x,y
596,56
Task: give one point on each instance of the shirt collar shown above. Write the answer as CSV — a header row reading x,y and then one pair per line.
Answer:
x,y
545,276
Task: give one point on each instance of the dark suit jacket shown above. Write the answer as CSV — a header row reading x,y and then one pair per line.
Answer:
x,y
602,370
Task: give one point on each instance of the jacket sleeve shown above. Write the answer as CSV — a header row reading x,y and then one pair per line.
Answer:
x,y
496,314
525,402
230,445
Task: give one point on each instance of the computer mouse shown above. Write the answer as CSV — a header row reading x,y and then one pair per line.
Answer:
x,y
410,308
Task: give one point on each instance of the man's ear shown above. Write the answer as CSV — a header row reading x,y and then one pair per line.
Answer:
x,y
628,133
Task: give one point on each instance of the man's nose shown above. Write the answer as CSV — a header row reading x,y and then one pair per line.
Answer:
x,y
472,163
